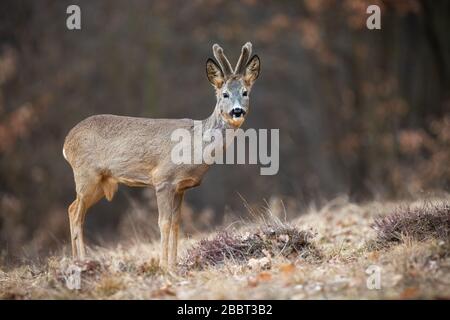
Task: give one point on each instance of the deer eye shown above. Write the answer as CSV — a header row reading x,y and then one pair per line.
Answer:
x,y
245,93
226,95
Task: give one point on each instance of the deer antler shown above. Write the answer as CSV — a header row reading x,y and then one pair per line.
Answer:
x,y
223,61
243,59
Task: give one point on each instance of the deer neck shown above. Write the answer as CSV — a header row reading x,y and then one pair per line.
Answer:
x,y
216,122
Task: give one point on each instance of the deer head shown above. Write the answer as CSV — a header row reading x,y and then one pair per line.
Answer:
x,y
233,86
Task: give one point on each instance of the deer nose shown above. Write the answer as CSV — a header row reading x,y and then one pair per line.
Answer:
x,y
237,112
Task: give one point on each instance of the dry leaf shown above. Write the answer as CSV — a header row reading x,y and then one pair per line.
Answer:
x,y
165,290
409,293
373,256
264,276
252,282
287,268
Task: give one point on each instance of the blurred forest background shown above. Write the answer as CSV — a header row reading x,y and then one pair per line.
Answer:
x,y
361,112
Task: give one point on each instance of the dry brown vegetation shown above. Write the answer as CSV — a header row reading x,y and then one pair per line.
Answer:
x,y
322,254
431,220
270,240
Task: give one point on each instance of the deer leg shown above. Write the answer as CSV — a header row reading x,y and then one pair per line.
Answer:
x,y
174,228
165,194
77,214
72,211
77,227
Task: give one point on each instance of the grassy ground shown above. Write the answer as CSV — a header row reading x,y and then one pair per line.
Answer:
x,y
330,263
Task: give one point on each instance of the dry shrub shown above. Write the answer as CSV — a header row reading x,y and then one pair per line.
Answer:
x,y
268,241
428,221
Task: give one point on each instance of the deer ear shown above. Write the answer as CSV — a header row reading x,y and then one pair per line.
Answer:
x,y
252,69
214,73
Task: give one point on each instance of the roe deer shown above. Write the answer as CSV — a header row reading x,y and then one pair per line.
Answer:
x,y
105,150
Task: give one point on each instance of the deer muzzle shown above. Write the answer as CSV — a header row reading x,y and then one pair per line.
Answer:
x,y
237,113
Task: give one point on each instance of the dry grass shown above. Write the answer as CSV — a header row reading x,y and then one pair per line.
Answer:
x,y
427,221
264,261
